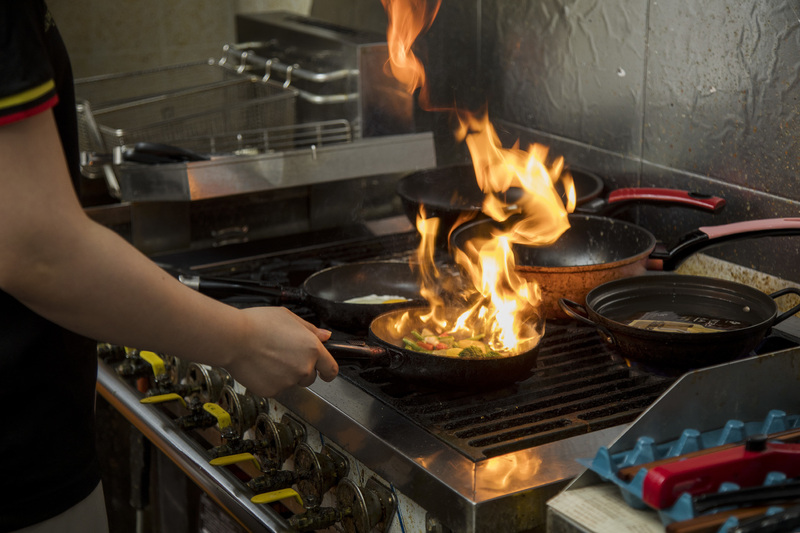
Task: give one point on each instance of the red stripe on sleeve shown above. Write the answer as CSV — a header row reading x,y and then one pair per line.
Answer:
x,y
29,112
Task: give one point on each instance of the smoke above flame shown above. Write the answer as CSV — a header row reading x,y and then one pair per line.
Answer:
x,y
520,193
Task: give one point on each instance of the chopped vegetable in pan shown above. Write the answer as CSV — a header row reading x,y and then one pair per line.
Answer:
x,y
468,347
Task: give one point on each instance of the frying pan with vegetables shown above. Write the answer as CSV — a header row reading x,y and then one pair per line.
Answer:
x,y
386,348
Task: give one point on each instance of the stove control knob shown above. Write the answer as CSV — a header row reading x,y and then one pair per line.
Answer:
x,y
176,369
277,440
365,508
243,408
207,381
317,473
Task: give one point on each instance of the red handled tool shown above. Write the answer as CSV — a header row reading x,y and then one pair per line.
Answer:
x,y
746,465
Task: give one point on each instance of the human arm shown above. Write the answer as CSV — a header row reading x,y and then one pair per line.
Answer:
x,y
86,278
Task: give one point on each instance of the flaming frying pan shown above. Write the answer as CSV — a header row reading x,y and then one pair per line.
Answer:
x,y
384,348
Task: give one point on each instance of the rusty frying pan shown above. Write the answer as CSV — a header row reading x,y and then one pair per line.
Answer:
x,y
452,193
595,250
673,321
384,348
327,292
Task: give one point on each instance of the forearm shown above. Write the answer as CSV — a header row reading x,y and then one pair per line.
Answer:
x,y
93,282
86,278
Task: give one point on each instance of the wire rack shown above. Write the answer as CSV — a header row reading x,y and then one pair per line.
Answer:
x,y
109,90
248,104
252,142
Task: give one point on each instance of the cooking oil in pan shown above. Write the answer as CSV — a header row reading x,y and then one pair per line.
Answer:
x,y
671,322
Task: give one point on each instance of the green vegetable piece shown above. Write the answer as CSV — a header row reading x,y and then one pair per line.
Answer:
x,y
491,353
411,345
417,334
471,351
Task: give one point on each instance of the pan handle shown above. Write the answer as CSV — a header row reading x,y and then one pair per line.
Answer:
x,y
221,288
707,236
579,313
783,316
357,351
654,195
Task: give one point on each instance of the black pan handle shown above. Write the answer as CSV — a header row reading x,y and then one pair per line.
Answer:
x,y
223,289
750,496
707,236
357,351
788,290
786,520
579,313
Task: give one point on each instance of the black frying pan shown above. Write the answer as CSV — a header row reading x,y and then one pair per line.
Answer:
x,y
452,193
384,348
595,250
743,314
327,291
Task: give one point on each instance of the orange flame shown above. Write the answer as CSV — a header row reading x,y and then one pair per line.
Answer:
x,y
502,304
407,20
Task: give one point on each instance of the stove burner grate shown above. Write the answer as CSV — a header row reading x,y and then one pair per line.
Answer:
x,y
579,385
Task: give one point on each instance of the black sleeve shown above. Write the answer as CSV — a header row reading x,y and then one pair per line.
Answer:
x,y
27,80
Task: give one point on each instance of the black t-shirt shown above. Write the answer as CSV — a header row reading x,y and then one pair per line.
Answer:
x,y
47,374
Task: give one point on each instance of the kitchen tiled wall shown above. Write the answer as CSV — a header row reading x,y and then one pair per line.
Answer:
x,y
700,94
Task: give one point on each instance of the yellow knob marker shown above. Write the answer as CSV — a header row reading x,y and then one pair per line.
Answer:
x,y
222,416
235,458
161,398
277,495
155,361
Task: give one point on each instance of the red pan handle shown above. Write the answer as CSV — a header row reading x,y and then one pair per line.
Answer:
x,y
670,196
708,236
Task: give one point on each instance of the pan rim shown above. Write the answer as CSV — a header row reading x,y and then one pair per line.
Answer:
x,y
534,347
590,267
686,282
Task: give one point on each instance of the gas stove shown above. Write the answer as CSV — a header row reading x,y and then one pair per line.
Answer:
x,y
414,458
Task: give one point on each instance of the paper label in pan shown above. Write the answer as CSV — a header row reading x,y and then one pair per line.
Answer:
x,y
670,322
